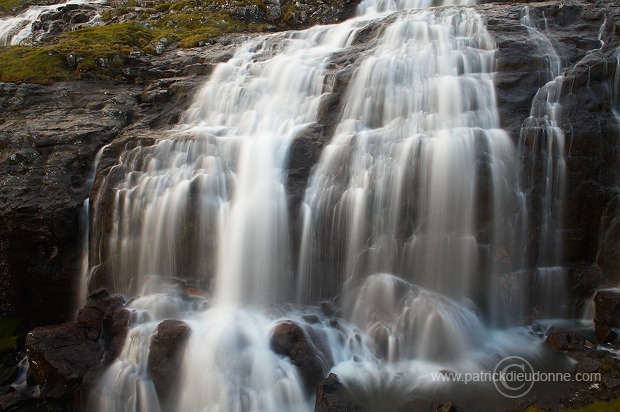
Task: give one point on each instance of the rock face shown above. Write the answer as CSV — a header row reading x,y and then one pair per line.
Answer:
x,y
587,120
49,138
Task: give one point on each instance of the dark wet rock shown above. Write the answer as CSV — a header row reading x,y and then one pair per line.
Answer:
x,y
45,168
16,402
303,155
114,331
602,369
311,319
589,364
166,356
605,334
607,307
589,126
63,19
584,280
307,349
66,359
565,341
332,396
8,374
59,357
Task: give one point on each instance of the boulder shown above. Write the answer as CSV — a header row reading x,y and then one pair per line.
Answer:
x,y
332,396
65,358
60,356
306,348
166,356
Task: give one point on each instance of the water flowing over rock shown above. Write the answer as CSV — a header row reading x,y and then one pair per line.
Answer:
x,y
438,175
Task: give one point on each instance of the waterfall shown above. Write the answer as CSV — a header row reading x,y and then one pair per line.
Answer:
x,y
418,152
537,286
415,219
208,202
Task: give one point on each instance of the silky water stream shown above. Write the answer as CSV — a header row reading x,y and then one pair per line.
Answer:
x,y
413,222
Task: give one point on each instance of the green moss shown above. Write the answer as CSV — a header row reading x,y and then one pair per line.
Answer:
x,y
105,40
98,52
35,65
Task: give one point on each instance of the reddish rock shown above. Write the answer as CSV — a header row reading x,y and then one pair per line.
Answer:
x,y
166,356
114,332
60,356
565,341
604,334
306,349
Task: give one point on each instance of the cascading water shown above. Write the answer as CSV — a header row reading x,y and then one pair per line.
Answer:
x,y
209,203
418,149
539,283
18,29
409,217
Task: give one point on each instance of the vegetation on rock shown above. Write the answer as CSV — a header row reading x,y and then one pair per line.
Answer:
x,y
138,26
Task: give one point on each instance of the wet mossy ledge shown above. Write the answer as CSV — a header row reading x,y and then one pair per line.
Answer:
x,y
126,29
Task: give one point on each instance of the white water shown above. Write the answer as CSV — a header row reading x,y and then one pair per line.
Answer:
x,y
397,189
18,29
538,287
409,219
